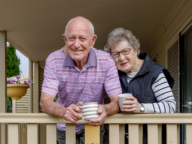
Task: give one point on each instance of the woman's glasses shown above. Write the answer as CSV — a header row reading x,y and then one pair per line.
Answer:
x,y
123,52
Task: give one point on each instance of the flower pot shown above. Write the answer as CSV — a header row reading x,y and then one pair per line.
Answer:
x,y
16,91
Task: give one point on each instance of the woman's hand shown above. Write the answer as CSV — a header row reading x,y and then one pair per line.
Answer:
x,y
64,49
131,105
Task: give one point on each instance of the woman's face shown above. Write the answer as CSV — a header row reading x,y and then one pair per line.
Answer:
x,y
126,62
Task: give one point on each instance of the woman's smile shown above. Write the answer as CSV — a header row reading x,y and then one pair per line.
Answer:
x,y
124,64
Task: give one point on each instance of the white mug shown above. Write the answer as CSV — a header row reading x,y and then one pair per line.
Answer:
x,y
122,98
89,111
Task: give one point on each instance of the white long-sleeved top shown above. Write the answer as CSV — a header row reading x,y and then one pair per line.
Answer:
x,y
165,100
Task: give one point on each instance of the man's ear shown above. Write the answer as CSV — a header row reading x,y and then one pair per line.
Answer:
x,y
94,38
64,38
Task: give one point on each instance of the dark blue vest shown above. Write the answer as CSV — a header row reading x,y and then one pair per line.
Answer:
x,y
141,85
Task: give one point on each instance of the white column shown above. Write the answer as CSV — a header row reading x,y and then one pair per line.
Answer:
x,y
13,105
30,108
3,83
36,92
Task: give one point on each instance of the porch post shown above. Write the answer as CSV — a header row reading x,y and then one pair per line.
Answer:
x,y
3,83
36,95
36,92
30,109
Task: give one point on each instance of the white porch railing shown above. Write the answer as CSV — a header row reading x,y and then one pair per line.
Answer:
x,y
116,127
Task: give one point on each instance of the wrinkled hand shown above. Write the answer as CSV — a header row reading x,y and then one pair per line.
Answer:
x,y
101,119
132,105
72,113
64,49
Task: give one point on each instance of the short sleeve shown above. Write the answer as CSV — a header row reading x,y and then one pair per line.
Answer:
x,y
112,83
51,82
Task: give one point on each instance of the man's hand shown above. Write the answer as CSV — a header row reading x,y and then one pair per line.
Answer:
x,y
132,105
101,119
72,113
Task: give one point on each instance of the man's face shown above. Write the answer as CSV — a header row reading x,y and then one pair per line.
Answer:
x,y
79,41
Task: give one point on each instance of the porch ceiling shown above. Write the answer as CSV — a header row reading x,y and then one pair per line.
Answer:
x,y
36,27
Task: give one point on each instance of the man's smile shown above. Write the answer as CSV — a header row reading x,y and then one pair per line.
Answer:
x,y
76,50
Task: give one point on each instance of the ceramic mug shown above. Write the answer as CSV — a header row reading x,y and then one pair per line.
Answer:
x,y
122,98
89,110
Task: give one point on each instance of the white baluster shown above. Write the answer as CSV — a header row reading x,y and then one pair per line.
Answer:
x,y
70,134
32,133
173,134
154,134
135,133
188,133
51,134
13,133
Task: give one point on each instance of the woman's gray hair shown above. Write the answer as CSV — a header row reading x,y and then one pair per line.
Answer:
x,y
120,34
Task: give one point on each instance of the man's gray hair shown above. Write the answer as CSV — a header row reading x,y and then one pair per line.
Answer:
x,y
91,27
120,34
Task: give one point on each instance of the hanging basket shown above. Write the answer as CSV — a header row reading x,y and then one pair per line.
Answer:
x,y
16,91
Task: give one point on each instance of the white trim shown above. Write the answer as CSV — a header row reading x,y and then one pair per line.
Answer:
x,y
36,86
30,98
3,83
187,27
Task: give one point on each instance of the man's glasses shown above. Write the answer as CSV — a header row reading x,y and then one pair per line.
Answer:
x,y
123,52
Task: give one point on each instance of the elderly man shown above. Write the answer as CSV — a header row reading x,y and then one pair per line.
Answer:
x,y
81,76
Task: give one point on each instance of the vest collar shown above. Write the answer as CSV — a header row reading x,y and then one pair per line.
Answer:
x,y
145,68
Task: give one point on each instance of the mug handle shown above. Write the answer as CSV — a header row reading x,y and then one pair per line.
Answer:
x,y
81,116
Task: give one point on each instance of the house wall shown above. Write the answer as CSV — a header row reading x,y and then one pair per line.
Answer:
x,y
179,17
167,38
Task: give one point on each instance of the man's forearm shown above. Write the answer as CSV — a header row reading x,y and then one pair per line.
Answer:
x,y
50,107
112,107
54,109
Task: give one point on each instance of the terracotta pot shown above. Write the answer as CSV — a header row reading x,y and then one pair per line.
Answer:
x,y
16,91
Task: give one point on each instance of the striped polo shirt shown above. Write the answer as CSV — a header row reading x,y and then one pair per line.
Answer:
x,y
63,78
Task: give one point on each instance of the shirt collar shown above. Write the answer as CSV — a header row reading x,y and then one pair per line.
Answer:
x,y
92,60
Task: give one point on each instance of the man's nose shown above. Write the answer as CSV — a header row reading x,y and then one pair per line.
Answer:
x,y
77,43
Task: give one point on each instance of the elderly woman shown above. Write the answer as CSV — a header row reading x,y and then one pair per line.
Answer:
x,y
149,82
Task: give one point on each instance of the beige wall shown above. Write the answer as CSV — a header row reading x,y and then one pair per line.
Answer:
x,y
169,31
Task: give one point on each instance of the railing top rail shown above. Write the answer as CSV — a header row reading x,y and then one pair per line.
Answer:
x,y
117,118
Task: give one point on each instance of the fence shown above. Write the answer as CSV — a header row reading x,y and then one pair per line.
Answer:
x,y
116,127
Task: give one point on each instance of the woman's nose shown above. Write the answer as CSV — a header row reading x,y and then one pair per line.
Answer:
x,y
121,56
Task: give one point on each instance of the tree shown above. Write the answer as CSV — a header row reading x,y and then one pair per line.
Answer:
x,y
13,63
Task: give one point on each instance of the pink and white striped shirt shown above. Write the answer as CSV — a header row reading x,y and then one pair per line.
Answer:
x,y
63,78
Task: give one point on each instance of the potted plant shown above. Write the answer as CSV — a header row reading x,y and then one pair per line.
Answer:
x,y
15,89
